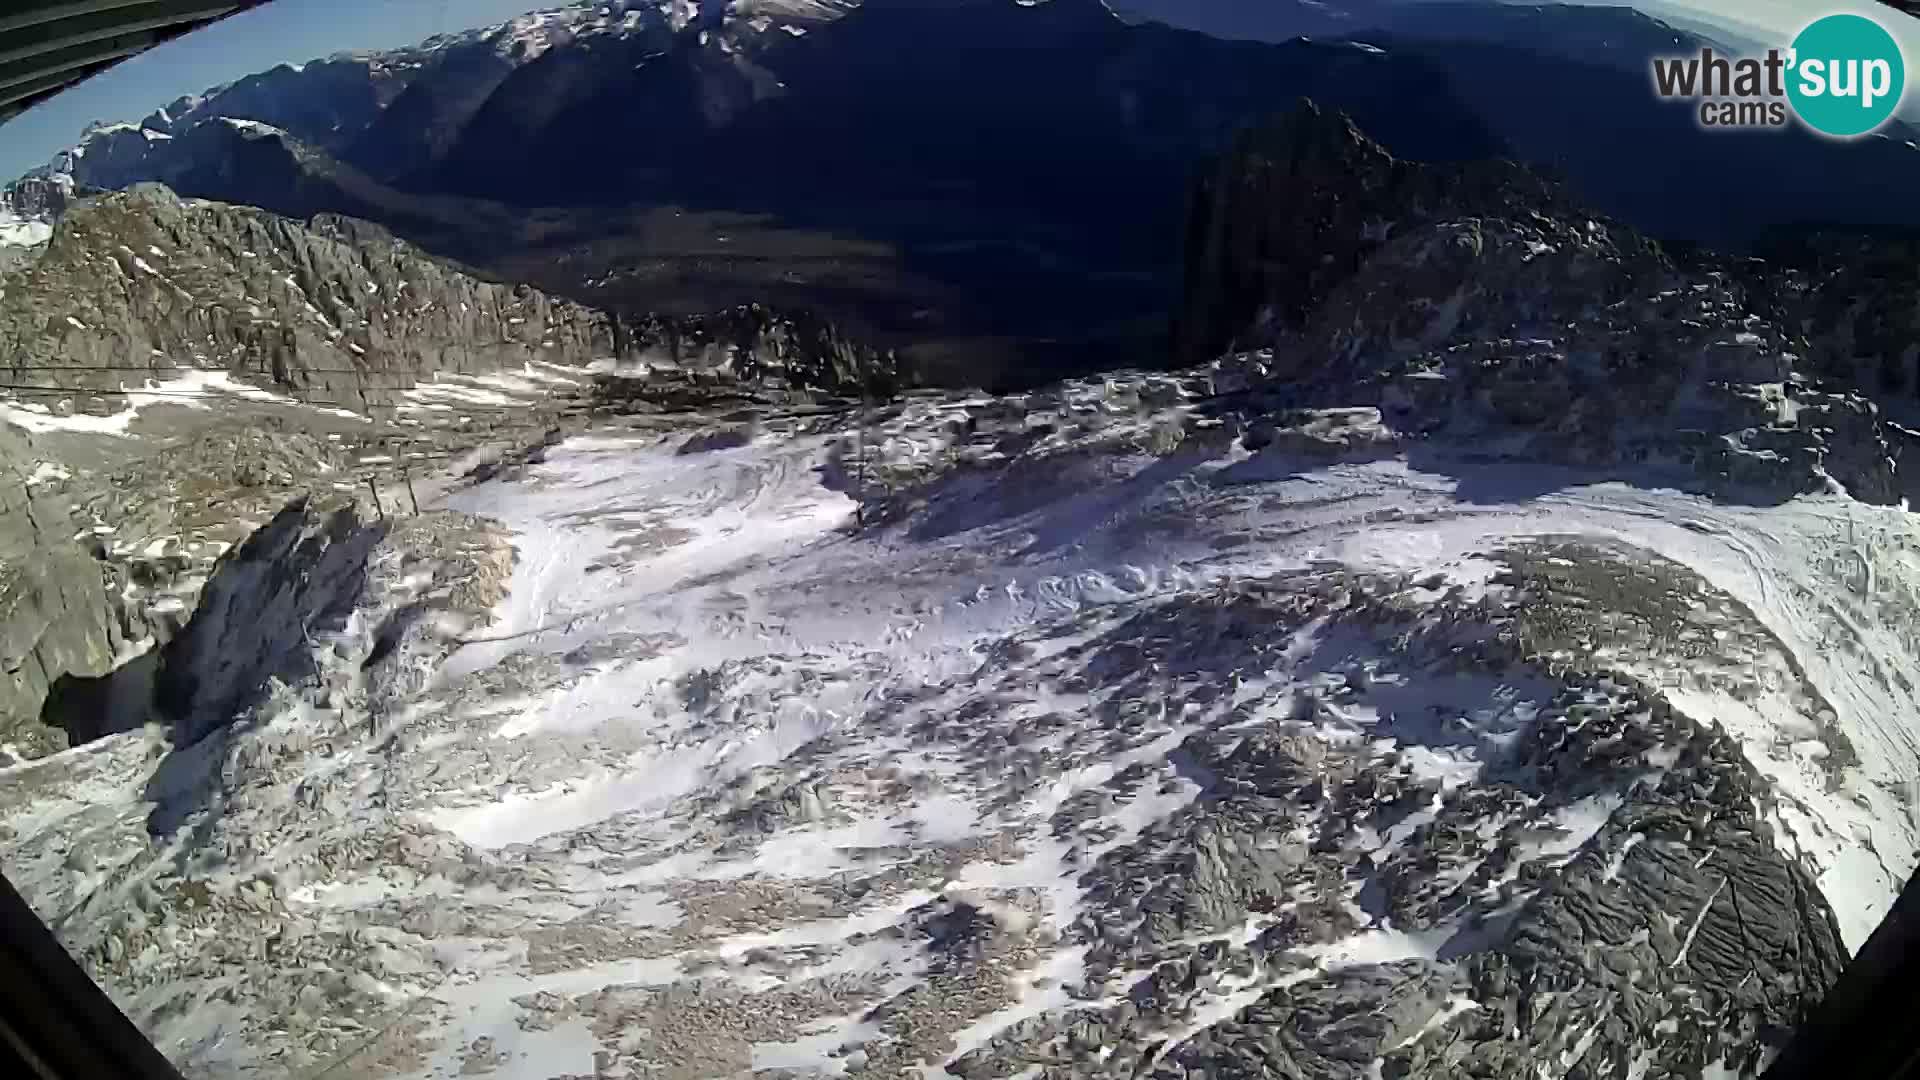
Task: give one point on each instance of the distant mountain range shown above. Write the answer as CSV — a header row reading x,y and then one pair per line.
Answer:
x,y
1612,35
958,170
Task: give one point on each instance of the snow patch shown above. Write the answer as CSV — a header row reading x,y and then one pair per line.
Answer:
x,y
18,231
192,388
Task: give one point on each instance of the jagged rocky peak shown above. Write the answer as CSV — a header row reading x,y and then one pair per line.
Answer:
x,y
335,307
1297,205
1854,297
1480,302
672,358
1291,208
145,279
341,104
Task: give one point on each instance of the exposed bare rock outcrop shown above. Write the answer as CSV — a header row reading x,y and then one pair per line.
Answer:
x,y
1480,304
335,308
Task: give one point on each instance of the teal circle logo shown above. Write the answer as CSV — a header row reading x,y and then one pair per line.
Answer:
x,y
1847,75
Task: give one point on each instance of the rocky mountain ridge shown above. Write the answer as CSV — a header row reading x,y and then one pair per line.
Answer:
x,y
1481,305
37,197
146,280
335,308
384,111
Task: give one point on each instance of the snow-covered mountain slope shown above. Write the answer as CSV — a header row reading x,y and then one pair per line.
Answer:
x,y
1107,747
176,371
1494,655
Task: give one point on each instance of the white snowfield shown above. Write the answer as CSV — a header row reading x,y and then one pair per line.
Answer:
x,y
201,389
752,530
18,231
690,639
192,388
759,566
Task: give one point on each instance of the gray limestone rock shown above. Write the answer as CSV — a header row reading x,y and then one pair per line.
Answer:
x,y
266,602
336,311
1479,304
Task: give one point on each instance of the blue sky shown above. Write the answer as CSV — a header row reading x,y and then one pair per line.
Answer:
x,y
292,31
286,31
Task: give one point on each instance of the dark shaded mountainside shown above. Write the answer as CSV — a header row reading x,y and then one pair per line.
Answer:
x,y
1567,89
998,186
1614,34
1482,306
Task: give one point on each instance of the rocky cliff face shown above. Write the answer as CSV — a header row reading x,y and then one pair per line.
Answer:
x,y
1852,302
58,609
303,577
685,359
100,568
1480,303
143,282
415,128
27,212
303,572
37,197
332,101
1298,205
